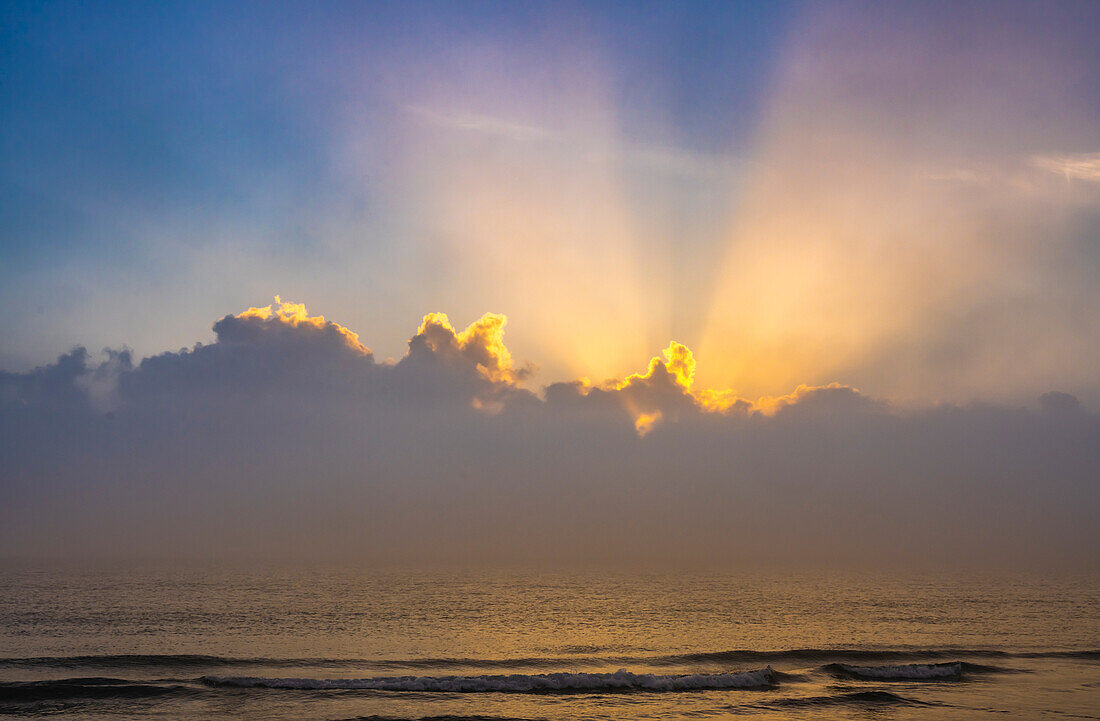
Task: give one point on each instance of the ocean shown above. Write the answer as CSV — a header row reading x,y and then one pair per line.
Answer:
x,y
180,642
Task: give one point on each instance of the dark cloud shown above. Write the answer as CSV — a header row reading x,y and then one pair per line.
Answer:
x,y
286,437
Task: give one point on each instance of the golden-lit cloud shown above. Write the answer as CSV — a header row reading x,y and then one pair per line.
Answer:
x,y
482,342
644,422
295,315
770,405
678,365
663,392
441,456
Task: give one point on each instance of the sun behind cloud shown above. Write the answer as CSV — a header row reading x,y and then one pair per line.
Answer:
x,y
295,315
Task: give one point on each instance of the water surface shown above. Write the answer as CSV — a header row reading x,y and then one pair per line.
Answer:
x,y
328,643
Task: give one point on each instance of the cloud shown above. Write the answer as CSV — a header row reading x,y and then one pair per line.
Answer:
x,y
101,382
1079,166
285,437
473,122
666,160
665,391
481,343
662,391
285,322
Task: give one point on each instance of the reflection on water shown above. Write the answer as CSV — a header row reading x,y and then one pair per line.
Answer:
x,y
329,643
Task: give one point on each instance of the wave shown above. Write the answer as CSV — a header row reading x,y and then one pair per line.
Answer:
x,y
820,655
128,660
82,688
907,672
857,698
1093,655
446,717
200,661
736,657
621,680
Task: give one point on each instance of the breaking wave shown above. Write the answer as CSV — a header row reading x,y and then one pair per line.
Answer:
x,y
621,680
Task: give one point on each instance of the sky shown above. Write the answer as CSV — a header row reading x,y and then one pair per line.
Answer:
x,y
686,282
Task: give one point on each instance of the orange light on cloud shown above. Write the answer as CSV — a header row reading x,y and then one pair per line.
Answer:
x,y
649,397
679,363
295,314
483,340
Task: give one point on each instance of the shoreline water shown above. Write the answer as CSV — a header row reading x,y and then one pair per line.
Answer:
x,y
324,644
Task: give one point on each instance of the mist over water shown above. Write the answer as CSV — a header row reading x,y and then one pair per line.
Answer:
x,y
335,643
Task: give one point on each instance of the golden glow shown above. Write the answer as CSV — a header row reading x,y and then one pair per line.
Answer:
x,y
679,364
295,314
874,221
645,421
483,340
648,397
520,191
863,226
717,401
769,405
724,401
492,407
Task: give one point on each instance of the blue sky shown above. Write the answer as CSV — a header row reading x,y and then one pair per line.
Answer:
x,y
137,137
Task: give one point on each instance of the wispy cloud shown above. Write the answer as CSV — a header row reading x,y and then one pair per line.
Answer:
x,y
477,123
1074,166
659,158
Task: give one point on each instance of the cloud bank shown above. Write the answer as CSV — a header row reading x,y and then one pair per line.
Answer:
x,y
287,438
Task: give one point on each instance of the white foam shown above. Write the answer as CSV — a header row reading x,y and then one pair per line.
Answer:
x,y
517,683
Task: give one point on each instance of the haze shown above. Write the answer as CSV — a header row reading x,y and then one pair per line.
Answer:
x,y
788,283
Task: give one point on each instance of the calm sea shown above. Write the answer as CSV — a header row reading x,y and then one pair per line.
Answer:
x,y
189,643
